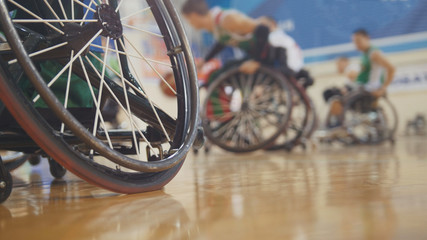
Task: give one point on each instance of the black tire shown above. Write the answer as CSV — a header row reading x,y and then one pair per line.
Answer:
x,y
6,184
56,170
155,174
266,87
298,124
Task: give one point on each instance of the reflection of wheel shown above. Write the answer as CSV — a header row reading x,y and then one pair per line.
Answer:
x,y
369,120
6,184
85,54
56,169
297,127
244,113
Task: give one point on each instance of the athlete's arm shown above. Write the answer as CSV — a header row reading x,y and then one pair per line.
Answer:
x,y
239,23
380,59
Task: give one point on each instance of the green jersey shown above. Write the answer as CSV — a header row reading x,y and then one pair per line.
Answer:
x,y
371,76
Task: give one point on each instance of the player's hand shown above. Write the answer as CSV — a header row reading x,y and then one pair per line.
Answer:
x,y
379,93
250,67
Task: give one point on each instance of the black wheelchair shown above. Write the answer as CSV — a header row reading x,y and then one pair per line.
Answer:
x,y
245,113
266,110
61,61
365,120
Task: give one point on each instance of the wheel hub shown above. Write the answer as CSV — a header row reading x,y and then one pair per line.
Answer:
x,y
110,21
245,106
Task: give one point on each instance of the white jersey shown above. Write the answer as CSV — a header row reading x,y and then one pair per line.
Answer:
x,y
295,58
352,67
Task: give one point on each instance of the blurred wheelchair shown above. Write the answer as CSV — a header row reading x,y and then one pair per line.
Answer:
x,y
303,120
62,61
365,120
245,113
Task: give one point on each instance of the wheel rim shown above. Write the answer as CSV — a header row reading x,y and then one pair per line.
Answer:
x,y
178,142
253,110
298,122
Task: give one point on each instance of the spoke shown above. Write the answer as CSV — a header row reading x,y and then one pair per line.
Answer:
x,y
247,87
223,102
127,100
135,13
67,91
255,133
84,5
97,105
53,11
142,30
35,15
225,116
149,99
61,21
231,130
87,11
120,4
118,75
151,66
69,63
236,134
62,9
250,133
257,115
132,55
41,51
235,85
226,126
121,105
242,127
101,86
72,9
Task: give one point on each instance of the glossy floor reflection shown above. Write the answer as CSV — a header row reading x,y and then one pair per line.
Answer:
x,y
376,192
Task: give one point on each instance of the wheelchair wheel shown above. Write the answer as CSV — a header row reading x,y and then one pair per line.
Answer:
x,y
369,120
56,170
6,183
244,113
312,122
76,55
299,120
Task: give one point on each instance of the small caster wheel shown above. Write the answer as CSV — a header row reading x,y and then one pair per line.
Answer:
x,y
196,151
200,139
304,146
6,184
34,160
207,149
56,169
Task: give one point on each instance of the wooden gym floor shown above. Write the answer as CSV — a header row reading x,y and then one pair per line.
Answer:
x,y
371,192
